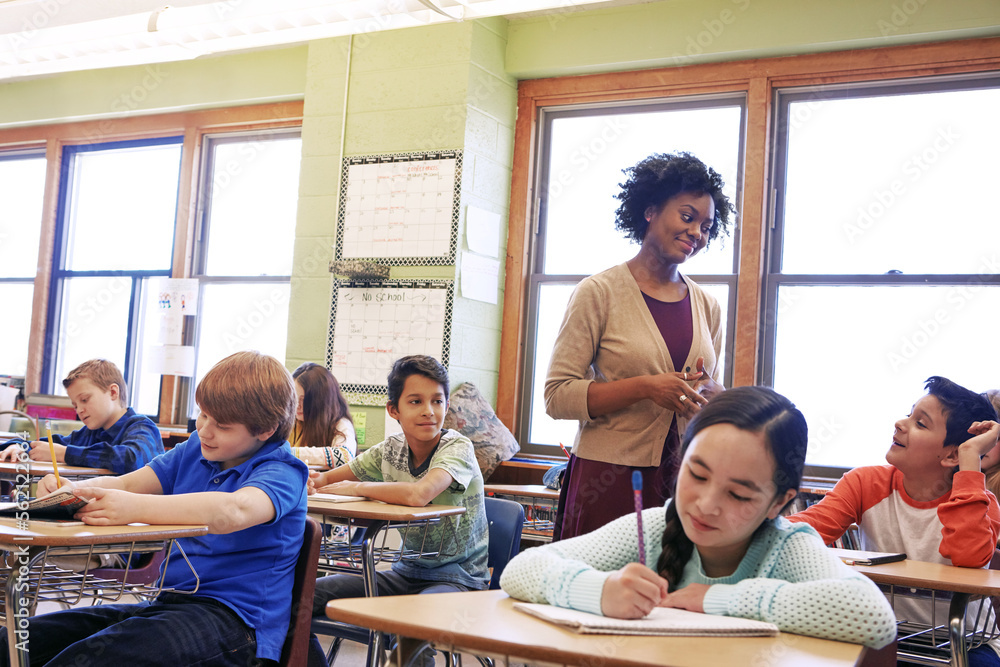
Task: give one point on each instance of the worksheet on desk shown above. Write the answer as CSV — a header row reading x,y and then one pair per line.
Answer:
x,y
400,209
372,324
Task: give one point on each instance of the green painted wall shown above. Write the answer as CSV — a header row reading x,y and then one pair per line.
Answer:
x,y
684,32
439,87
248,78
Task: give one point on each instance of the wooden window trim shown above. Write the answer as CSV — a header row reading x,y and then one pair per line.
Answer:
x,y
194,125
758,79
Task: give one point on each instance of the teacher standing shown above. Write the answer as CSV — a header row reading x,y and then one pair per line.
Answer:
x,y
638,350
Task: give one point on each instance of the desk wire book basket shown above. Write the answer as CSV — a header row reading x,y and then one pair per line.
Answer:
x,y
343,545
931,643
46,582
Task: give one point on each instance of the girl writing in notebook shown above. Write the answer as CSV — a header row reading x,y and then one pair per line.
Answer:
x,y
719,546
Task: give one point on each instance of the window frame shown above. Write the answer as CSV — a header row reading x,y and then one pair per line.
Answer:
x,y
774,278
59,274
757,79
537,277
193,126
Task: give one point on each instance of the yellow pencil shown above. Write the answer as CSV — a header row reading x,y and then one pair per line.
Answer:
x,y
52,452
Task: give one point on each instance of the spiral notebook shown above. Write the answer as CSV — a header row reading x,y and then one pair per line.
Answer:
x,y
661,621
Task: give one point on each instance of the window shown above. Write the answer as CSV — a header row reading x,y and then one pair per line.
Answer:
x,y
22,184
115,231
884,267
247,236
583,153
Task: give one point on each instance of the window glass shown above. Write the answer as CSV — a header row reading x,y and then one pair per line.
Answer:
x,y
874,193
879,188
94,323
16,299
255,188
584,154
22,187
22,190
241,316
587,155
854,359
122,209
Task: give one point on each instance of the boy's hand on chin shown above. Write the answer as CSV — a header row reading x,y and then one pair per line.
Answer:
x,y
691,598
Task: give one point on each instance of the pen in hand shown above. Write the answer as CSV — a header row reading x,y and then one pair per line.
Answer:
x,y
637,497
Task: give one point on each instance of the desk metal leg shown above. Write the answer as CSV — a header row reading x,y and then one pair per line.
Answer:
x,y
18,608
371,587
956,629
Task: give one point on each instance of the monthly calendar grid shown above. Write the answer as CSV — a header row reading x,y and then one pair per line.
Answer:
x,y
400,209
373,323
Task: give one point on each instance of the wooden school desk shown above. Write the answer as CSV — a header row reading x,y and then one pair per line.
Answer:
x,y
9,471
27,578
376,518
963,583
539,503
485,623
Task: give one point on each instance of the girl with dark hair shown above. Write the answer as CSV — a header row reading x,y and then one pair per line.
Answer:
x,y
638,351
323,434
724,549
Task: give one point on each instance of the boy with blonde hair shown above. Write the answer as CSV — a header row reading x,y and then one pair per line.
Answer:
x,y
113,435
237,475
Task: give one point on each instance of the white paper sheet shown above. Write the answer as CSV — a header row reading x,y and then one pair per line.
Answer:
x,y
480,277
170,360
482,231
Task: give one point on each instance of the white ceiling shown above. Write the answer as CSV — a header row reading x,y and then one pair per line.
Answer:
x,y
40,37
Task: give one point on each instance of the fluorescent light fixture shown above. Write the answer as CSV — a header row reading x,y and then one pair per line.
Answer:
x,y
46,37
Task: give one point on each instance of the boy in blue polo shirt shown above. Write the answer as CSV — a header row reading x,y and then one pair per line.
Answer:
x,y
237,475
113,435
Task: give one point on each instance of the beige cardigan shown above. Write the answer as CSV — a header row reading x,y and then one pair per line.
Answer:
x,y
609,334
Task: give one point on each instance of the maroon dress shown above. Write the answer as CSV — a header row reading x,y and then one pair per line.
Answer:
x,y
594,492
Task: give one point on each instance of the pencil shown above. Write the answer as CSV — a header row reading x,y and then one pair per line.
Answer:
x,y
52,452
637,498
563,447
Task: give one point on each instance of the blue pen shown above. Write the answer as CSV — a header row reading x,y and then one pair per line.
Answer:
x,y
637,497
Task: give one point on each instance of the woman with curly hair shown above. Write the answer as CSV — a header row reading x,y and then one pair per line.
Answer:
x,y
323,434
638,351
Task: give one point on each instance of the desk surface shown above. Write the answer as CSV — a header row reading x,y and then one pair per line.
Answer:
x,y
48,534
374,510
486,622
523,490
43,468
935,576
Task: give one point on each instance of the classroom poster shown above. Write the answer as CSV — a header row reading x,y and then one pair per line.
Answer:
x,y
374,323
399,209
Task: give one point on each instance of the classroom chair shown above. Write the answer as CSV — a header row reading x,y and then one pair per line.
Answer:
x,y
505,519
295,652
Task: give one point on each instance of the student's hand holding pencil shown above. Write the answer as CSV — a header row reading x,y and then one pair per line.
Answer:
x,y
632,592
50,484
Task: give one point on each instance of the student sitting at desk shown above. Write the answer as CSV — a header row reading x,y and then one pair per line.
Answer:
x,y
718,546
237,475
323,434
931,501
113,435
424,464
